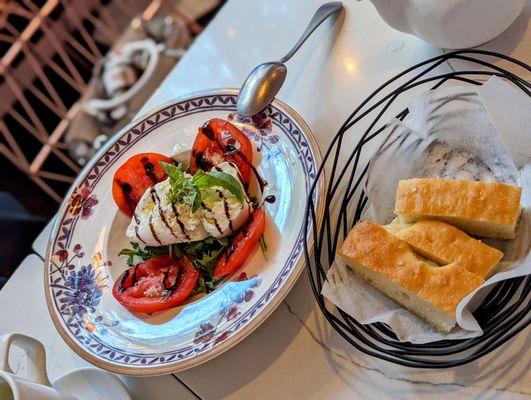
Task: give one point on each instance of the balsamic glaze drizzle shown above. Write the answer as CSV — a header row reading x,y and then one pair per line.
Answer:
x,y
156,200
152,229
216,223
149,169
203,163
226,209
181,225
126,191
138,235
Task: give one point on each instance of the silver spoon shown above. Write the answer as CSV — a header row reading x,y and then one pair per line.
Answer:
x,y
264,82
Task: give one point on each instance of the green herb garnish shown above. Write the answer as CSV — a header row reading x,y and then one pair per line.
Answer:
x,y
182,187
206,253
175,250
189,190
143,253
205,180
211,284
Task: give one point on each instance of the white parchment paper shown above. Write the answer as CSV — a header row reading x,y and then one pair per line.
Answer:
x,y
459,132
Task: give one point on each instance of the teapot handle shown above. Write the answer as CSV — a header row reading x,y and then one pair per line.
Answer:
x,y
36,356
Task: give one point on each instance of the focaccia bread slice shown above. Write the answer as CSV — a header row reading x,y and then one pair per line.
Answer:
x,y
445,244
390,265
479,208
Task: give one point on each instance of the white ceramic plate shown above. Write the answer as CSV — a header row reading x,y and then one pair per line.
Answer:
x,y
82,260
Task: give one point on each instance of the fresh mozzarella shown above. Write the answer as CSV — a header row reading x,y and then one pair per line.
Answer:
x,y
222,212
158,222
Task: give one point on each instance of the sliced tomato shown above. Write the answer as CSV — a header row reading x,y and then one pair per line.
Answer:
x,y
217,141
241,245
138,173
156,284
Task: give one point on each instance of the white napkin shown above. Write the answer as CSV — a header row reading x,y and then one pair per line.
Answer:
x,y
453,132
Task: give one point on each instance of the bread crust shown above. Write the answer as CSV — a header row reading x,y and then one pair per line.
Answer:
x,y
372,246
496,206
444,244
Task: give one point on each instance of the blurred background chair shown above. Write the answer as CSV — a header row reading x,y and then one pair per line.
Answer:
x,y
55,57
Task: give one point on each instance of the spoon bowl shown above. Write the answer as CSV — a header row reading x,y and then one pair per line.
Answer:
x,y
261,87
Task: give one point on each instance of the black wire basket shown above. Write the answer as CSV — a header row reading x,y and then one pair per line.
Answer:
x,y
503,313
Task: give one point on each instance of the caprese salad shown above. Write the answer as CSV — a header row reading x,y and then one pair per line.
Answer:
x,y
191,226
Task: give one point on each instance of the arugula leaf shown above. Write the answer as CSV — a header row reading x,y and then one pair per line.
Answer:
x,y
199,286
142,253
182,187
206,253
205,285
211,284
204,180
175,250
205,244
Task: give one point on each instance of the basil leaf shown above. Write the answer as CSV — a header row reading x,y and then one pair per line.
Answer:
x,y
196,199
182,187
204,180
175,173
189,190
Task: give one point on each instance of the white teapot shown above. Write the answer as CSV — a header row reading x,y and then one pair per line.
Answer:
x,y
451,24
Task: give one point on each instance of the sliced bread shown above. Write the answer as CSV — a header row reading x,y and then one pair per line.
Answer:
x,y
478,208
445,244
390,265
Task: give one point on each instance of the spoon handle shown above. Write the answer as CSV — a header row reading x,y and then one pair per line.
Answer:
x,y
322,13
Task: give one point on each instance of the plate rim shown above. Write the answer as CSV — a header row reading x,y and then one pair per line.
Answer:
x,y
254,323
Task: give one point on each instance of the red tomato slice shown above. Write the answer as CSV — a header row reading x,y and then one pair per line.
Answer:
x,y
138,173
156,284
241,245
217,141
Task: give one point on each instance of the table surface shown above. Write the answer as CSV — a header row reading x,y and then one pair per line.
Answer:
x,y
295,354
